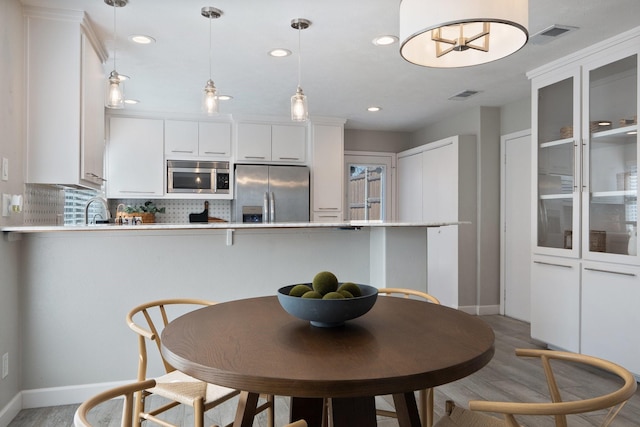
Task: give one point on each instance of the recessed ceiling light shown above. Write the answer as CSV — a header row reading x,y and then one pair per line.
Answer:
x,y
374,109
384,40
225,97
131,101
141,39
279,52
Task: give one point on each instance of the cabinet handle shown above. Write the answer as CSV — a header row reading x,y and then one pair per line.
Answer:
x,y
254,157
288,158
328,209
93,175
136,191
552,264
327,216
214,152
609,271
182,151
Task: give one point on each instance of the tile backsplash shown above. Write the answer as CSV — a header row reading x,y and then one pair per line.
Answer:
x,y
177,211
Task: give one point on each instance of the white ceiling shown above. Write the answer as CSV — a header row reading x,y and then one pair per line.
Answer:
x,y
343,73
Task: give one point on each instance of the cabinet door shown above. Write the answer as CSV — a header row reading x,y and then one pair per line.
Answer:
x,y
555,302
410,188
610,188
556,164
288,143
442,264
135,158
610,315
92,130
328,171
254,142
214,139
440,182
180,138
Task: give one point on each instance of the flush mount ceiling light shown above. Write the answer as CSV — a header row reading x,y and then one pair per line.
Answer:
x,y
461,33
115,92
299,109
210,94
224,97
374,109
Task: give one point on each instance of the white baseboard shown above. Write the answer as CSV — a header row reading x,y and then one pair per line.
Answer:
x,y
480,310
67,395
9,412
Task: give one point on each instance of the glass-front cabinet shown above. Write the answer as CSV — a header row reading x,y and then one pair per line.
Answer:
x,y
556,130
586,158
610,188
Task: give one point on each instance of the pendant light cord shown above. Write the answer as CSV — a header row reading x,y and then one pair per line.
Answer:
x,y
299,56
209,46
115,43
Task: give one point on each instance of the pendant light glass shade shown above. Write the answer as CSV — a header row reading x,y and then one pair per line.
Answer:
x,y
299,110
115,94
115,89
210,93
461,33
210,99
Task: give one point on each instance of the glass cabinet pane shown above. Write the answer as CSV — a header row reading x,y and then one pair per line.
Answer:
x,y
556,165
613,167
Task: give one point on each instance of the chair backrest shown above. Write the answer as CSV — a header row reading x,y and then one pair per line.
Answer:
x,y
557,407
126,391
149,319
408,293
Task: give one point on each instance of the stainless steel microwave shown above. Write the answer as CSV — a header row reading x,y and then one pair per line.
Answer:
x,y
190,176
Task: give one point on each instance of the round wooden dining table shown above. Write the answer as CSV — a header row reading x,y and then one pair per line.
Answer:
x,y
399,346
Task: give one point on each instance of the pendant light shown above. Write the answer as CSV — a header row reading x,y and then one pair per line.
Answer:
x,y
210,94
115,92
299,109
461,33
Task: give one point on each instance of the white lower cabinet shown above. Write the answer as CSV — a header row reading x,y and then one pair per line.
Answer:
x,y
610,315
555,302
135,158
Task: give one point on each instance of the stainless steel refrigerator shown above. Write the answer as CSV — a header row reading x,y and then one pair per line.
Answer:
x,y
271,193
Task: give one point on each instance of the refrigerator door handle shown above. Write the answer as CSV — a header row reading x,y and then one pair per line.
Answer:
x,y
272,207
265,208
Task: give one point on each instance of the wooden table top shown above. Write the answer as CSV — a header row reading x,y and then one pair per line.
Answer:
x,y
400,345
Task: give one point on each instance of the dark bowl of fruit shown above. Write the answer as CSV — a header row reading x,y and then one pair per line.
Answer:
x,y
325,302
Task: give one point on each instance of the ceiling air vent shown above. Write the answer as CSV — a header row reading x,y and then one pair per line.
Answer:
x,y
465,94
550,34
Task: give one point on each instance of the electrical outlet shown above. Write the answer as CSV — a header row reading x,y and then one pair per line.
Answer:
x,y
5,365
5,169
6,205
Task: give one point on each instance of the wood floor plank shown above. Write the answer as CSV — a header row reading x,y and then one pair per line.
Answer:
x,y
506,377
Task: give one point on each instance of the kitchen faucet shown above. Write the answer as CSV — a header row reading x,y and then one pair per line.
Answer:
x,y
96,199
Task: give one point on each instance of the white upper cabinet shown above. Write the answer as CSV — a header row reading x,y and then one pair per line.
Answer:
x,y
586,158
135,159
274,143
327,172
65,100
184,138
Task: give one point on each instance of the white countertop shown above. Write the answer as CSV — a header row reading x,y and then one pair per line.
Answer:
x,y
221,226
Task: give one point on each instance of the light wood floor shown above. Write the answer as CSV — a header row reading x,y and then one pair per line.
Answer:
x,y
505,378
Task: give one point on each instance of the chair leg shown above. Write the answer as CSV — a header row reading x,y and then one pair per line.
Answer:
x,y
271,411
198,412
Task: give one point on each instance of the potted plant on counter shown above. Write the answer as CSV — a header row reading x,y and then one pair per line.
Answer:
x,y
146,212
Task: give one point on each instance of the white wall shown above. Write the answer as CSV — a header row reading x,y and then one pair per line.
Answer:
x,y
11,131
368,140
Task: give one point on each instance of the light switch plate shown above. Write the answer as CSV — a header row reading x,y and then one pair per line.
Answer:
x,y
5,169
6,205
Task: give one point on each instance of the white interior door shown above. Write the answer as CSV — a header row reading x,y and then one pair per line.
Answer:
x,y
516,226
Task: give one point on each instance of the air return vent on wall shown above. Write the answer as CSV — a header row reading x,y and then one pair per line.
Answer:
x,y
550,34
465,94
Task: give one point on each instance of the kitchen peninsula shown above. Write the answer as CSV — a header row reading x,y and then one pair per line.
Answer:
x,y
76,279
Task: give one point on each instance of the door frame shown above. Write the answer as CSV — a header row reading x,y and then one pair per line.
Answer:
x,y
504,139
